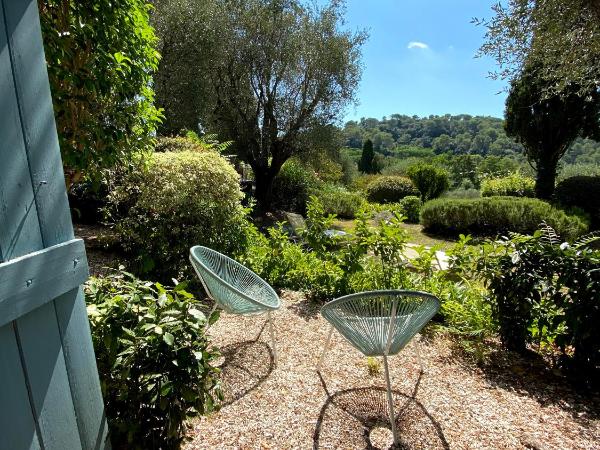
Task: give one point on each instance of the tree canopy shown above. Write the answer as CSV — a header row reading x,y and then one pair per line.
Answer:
x,y
546,126
564,35
278,69
100,56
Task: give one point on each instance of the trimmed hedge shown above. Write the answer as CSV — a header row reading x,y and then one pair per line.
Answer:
x,y
581,192
490,216
514,185
390,189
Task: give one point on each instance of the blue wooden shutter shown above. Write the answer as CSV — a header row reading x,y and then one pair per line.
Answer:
x,y
50,395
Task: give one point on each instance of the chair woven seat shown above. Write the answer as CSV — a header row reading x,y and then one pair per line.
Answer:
x,y
380,323
364,319
232,286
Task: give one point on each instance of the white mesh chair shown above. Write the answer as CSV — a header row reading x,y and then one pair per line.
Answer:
x,y
380,323
233,287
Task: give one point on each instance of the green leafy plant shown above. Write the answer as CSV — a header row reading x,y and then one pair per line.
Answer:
x,y
293,185
373,366
431,181
388,189
155,363
514,185
181,199
546,291
100,56
339,201
411,208
496,215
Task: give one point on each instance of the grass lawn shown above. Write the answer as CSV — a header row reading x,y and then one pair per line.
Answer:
x,y
415,234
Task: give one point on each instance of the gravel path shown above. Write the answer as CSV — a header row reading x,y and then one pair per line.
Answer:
x,y
454,405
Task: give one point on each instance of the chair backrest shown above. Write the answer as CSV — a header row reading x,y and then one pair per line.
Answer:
x,y
381,322
234,287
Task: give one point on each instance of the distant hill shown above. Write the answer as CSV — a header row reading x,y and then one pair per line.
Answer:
x,y
459,134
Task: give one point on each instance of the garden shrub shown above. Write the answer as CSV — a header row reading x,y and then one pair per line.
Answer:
x,y
545,291
362,182
431,181
339,201
490,216
581,192
389,189
462,193
292,186
178,144
411,208
181,199
514,185
154,360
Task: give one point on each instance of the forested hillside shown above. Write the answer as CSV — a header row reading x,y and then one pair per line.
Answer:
x,y
461,134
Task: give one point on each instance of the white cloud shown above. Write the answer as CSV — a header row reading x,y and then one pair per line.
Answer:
x,y
417,44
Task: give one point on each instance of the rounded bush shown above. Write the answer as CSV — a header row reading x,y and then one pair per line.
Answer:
x,y
514,185
411,208
181,199
490,216
292,186
178,144
431,181
581,192
390,189
339,201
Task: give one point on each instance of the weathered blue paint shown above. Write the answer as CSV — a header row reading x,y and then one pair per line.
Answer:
x,y
28,282
49,390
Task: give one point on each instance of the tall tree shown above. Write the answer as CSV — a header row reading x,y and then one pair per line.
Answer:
x,y
564,35
278,68
185,57
100,56
366,164
547,126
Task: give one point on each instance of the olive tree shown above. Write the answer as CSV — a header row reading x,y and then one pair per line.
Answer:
x,y
547,126
100,56
278,68
562,34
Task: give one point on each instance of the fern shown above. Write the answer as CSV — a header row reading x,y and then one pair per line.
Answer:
x,y
587,239
209,141
549,234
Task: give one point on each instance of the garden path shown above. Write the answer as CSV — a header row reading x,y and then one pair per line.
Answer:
x,y
510,404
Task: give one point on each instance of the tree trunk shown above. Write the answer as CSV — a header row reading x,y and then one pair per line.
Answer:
x,y
545,179
264,188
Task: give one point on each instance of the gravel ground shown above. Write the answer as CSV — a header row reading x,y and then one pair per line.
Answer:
x,y
508,405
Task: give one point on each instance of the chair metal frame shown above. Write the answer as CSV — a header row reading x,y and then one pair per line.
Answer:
x,y
255,305
385,348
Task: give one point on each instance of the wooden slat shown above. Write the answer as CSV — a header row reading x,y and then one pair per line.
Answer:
x,y
19,229
44,365
45,167
79,354
39,277
37,119
16,419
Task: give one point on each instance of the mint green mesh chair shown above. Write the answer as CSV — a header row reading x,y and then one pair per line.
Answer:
x,y
380,323
233,287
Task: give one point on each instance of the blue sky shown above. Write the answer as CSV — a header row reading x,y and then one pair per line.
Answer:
x,y
419,59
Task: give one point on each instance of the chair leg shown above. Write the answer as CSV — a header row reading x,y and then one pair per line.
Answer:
x,y
390,400
418,350
322,358
272,332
